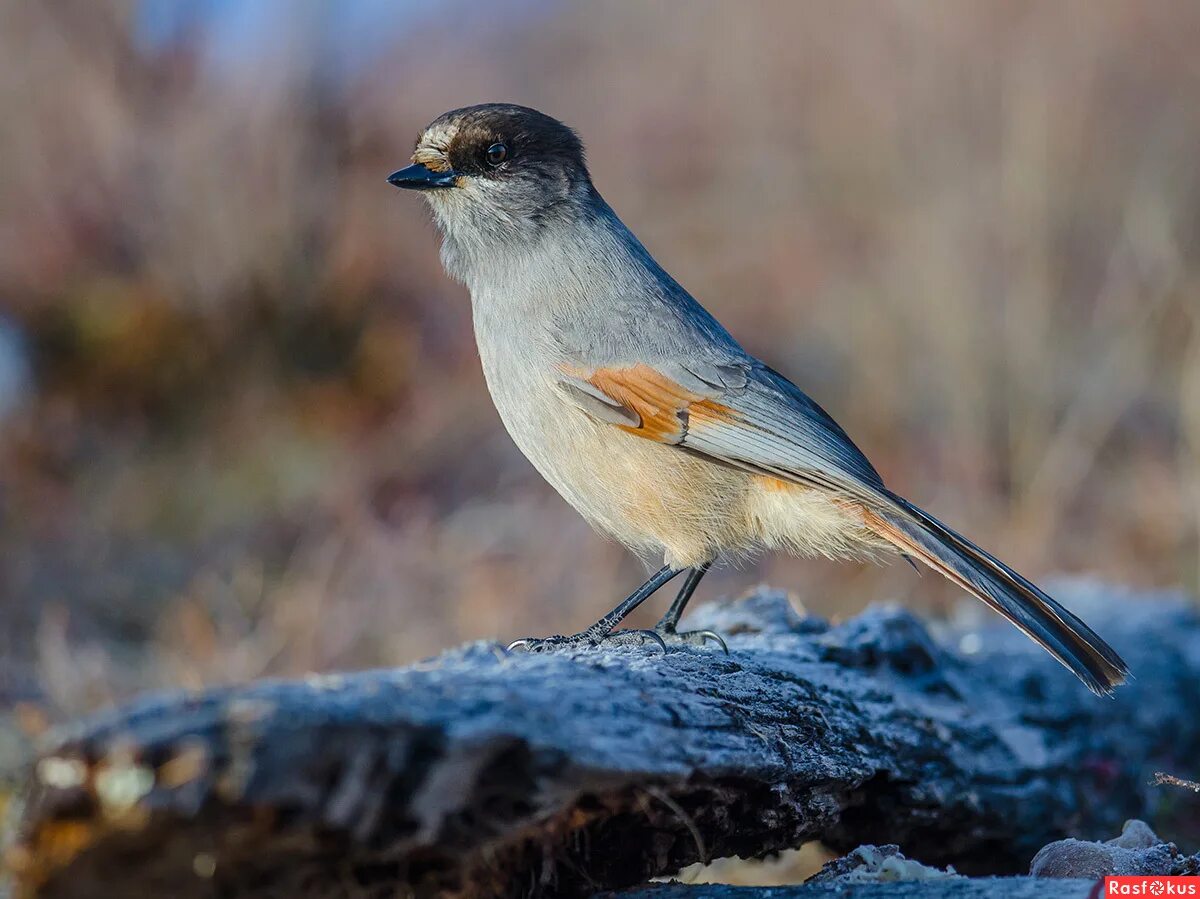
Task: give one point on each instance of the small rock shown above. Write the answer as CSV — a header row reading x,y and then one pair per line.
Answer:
x,y
877,864
1136,834
1138,850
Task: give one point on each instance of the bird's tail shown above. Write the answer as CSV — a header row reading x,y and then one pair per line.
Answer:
x,y
920,535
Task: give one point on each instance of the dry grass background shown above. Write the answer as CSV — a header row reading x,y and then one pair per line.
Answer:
x,y
255,439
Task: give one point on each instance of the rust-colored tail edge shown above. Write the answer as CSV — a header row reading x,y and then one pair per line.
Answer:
x,y
1061,633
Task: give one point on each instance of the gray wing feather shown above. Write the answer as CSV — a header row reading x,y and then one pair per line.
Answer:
x,y
796,433
597,403
777,429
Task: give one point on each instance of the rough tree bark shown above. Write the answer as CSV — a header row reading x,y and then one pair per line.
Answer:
x,y
477,774
965,888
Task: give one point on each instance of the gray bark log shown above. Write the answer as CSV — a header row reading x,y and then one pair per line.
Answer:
x,y
558,775
960,888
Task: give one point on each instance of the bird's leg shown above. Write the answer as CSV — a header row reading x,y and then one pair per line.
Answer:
x,y
671,617
666,626
600,631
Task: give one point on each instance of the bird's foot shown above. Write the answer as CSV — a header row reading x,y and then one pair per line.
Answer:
x,y
587,640
691,638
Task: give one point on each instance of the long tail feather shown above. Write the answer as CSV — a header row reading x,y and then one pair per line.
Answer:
x,y
918,534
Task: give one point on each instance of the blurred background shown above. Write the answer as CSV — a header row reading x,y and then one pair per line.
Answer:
x,y
243,429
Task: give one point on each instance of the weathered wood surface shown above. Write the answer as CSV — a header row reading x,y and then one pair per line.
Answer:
x,y
558,775
958,888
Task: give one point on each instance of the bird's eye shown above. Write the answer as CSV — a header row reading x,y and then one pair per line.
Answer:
x,y
497,153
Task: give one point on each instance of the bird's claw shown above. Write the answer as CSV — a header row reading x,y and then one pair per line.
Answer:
x,y
693,638
637,638
546,644
587,640
715,637
659,636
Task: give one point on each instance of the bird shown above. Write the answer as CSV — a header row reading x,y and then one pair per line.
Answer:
x,y
646,415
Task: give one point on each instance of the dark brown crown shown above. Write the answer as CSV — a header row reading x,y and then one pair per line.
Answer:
x,y
535,142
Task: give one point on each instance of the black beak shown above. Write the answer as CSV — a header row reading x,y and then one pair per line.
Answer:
x,y
419,177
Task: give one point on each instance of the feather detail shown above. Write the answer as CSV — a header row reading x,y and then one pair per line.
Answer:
x,y
656,406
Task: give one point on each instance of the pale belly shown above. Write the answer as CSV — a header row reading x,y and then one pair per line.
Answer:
x,y
655,499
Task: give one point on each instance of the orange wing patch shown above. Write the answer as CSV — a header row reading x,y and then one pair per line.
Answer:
x,y
665,407
774,485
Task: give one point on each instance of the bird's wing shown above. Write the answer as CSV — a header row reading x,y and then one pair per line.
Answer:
x,y
740,413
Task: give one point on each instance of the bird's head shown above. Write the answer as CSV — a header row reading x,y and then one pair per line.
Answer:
x,y
497,173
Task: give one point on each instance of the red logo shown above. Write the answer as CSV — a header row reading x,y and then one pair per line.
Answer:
x,y
1152,886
